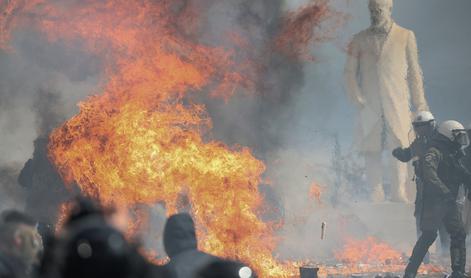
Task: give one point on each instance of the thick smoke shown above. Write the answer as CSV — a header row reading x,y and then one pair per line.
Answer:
x,y
12,195
48,109
40,86
261,118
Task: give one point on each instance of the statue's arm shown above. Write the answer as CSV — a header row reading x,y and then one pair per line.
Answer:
x,y
351,74
414,76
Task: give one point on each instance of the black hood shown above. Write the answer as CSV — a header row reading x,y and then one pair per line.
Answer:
x,y
179,234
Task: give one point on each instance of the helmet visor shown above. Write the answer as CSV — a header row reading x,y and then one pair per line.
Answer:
x,y
461,137
423,128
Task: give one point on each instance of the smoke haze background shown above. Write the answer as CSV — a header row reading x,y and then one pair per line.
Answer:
x,y
291,127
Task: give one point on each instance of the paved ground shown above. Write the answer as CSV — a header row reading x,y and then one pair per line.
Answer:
x,y
392,223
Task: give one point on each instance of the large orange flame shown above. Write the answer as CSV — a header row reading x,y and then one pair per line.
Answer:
x,y
141,140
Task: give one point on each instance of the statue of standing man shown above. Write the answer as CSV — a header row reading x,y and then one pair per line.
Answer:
x,y
383,77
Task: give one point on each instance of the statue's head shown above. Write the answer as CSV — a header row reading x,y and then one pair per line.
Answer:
x,y
381,12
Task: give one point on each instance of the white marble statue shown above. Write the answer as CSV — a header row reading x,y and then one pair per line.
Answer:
x,y
384,79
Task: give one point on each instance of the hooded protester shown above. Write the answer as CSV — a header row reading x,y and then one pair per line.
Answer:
x,y
182,248
97,250
89,247
20,245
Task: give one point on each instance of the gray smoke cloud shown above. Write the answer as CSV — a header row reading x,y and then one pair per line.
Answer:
x,y
48,109
40,86
256,120
12,195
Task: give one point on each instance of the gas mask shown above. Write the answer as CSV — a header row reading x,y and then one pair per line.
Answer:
x,y
461,137
424,129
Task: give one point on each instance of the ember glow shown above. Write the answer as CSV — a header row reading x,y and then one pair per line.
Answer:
x,y
64,212
315,192
368,251
372,255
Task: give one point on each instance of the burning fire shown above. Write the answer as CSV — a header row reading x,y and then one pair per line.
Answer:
x,y
142,140
371,255
368,251
64,212
315,192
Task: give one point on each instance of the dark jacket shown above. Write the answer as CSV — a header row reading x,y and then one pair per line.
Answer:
x,y
181,246
442,177
417,150
466,164
467,159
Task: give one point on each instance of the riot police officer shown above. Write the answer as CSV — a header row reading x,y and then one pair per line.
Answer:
x,y
442,177
425,128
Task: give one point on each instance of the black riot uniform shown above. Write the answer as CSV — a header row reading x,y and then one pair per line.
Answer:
x,y
417,150
467,156
442,177
466,160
